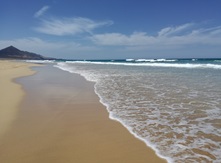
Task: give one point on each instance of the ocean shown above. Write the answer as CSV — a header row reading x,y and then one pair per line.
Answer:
x,y
173,105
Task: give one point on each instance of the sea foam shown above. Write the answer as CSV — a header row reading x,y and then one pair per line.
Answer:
x,y
172,65
174,111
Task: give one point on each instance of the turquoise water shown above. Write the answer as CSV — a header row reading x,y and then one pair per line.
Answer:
x,y
174,106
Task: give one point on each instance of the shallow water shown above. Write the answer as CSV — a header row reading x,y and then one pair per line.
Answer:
x,y
174,107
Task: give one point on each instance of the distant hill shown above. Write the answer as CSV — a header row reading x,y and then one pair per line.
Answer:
x,y
13,53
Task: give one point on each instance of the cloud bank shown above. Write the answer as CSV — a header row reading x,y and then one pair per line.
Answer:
x,y
168,37
188,39
182,35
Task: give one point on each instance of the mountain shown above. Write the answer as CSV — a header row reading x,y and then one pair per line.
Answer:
x,y
13,53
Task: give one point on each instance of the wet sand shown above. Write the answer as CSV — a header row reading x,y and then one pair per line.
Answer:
x,y
61,120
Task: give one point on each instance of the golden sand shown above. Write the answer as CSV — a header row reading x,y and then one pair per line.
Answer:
x,y
11,93
62,121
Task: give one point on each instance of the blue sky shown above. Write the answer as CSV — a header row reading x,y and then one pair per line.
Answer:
x,y
113,29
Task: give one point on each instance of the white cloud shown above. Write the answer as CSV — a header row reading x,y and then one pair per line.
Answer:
x,y
118,39
41,11
168,31
70,26
167,37
184,39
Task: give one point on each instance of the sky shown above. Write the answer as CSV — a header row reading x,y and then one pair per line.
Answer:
x,y
113,29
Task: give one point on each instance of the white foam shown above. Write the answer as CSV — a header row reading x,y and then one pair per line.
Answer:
x,y
166,65
40,61
140,102
129,60
88,77
113,117
145,60
166,60
155,60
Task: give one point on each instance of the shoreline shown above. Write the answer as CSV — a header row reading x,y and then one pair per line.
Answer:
x,y
63,120
11,92
111,117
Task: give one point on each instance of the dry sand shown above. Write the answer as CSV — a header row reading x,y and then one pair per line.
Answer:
x,y
62,121
10,92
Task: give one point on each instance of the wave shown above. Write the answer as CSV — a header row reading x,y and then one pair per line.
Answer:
x,y
129,128
166,65
112,116
107,81
130,60
151,60
40,61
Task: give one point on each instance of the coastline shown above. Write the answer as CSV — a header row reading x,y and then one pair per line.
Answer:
x,y
11,92
61,120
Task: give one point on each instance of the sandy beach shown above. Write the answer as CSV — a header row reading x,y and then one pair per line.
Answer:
x,y
55,116
11,93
